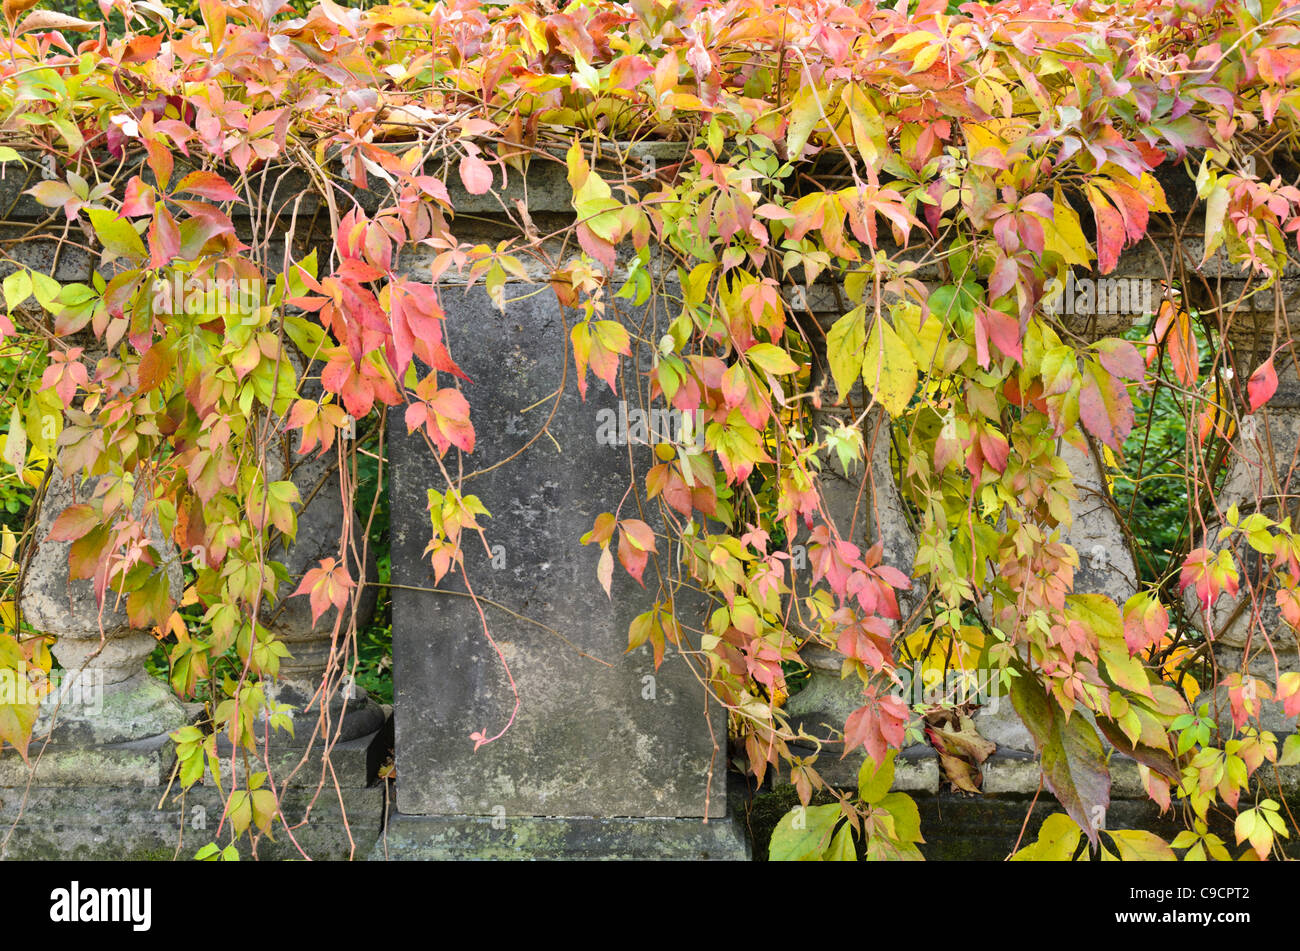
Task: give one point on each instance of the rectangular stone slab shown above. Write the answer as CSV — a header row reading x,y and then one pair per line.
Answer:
x,y
590,739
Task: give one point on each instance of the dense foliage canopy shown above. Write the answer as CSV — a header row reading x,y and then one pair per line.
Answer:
x,y
943,173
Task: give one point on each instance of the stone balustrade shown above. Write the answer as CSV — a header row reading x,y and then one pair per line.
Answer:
x,y
607,755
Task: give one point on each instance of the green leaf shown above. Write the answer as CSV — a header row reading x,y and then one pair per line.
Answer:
x,y
116,234
842,849
306,336
1073,762
874,782
907,818
803,834
17,288
771,359
1290,751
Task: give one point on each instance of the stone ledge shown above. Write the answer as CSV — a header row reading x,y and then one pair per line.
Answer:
x,y
987,828
107,823
534,838
142,763
355,762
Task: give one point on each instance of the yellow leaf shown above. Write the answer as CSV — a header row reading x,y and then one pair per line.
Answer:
x,y
8,546
1137,845
868,130
888,369
922,339
985,135
926,58
1064,235
909,41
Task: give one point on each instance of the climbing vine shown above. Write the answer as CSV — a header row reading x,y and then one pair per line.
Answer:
x,y
870,220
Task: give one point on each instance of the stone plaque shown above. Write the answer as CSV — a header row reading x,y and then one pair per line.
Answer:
x,y
600,733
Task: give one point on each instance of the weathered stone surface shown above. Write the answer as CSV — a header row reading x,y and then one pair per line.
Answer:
x,y
109,822
115,802
51,602
352,762
531,837
596,735
1105,560
142,763
999,723
986,828
826,700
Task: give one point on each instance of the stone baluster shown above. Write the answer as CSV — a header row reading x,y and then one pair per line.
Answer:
x,y
1106,566
105,697
866,507
350,713
1260,478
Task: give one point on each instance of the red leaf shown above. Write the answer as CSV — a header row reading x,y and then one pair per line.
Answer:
x,y
164,238
1110,234
877,726
1145,621
327,585
635,542
1002,329
1262,385
155,364
139,198
1120,358
1104,406
1183,352
341,376
1204,570
734,386
208,185
1003,278
141,49
72,523
995,449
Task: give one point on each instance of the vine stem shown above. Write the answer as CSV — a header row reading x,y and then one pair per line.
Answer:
x,y
1024,825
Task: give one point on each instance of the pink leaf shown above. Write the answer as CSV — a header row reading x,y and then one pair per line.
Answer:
x,y
475,175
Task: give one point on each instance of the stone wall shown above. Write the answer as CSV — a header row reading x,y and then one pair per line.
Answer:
x,y
607,755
